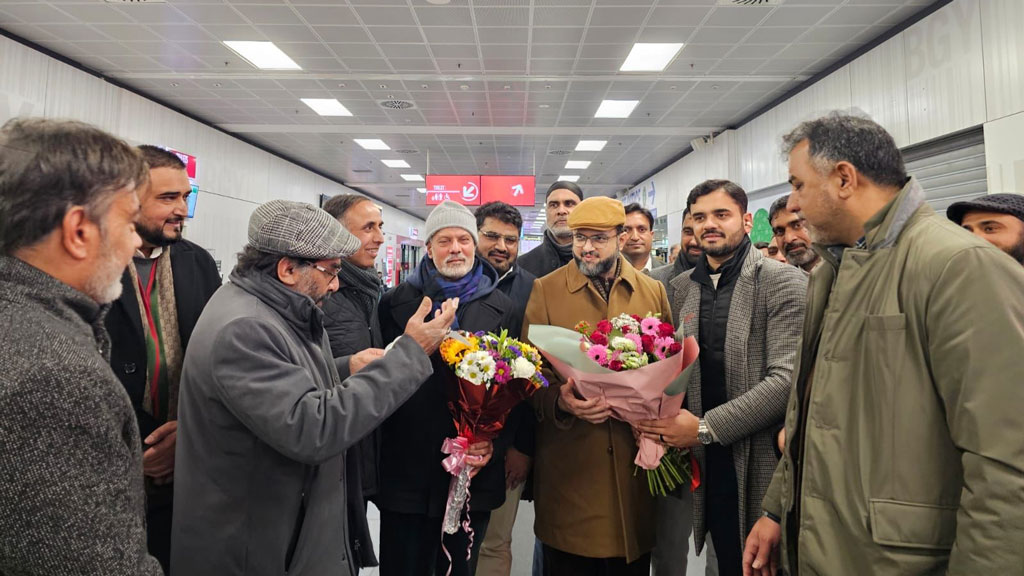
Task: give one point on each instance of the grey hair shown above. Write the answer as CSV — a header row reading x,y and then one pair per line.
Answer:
x,y
843,137
49,166
257,261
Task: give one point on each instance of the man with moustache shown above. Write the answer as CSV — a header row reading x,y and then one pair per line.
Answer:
x,y
556,249
792,235
352,324
640,239
903,451
414,485
71,498
996,218
499,226
164,292
593,513
687,259
746,312
267,412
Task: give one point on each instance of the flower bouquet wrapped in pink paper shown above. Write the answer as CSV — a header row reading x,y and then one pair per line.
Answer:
x,y
640,369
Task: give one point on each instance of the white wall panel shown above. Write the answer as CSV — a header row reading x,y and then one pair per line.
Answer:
x,y
945,71
22,81
1004,155
878,87
71,94
1002,26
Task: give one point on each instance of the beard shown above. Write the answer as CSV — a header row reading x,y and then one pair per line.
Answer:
x,y
501,268
562,232
156,236
104,285
1017,251
455,270
308,287
729,245
802,259
692,259
597,269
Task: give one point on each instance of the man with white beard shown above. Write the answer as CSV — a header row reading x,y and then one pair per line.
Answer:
x,y
413,485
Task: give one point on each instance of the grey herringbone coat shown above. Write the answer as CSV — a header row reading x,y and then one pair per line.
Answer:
x,y
761,340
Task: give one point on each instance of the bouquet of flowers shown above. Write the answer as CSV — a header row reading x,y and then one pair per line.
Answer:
x,y
490,375
641,369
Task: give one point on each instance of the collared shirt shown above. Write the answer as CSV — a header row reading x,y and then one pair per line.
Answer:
x,y
604,285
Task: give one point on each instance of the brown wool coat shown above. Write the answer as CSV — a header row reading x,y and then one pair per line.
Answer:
x,y
588,502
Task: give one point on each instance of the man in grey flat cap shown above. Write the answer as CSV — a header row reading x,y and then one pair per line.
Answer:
x,y
266,414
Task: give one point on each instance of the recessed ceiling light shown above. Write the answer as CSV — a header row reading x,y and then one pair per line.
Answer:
x,y
569,177
438,2
616,108
263,55
372,144
650,57
326,106
591,145
395,163
544,106
577,164
412,177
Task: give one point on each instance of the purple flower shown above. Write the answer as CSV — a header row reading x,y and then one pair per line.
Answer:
x,y
650,326
514,350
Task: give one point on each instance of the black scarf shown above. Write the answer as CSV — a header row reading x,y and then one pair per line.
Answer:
x,y
564,251
363,286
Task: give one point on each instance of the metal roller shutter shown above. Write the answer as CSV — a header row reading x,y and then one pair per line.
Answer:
x,y
951,168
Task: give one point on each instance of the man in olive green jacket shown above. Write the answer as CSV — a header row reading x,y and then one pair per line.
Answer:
x,y
904,451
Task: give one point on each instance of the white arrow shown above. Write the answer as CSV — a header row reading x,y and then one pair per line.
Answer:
x,y
517,190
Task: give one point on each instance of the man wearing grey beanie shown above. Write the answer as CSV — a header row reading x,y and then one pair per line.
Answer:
x,y
413,485
267,413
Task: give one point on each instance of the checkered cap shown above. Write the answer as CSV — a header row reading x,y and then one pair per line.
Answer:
x,y
299,230
1012,204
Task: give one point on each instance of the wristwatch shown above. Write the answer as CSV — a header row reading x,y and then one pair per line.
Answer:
x,y
704,433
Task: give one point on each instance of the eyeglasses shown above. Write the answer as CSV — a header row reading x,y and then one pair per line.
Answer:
x,y
597,240
330,275
494,237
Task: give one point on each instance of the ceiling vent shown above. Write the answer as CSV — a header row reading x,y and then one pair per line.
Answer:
x,y
362,171
396,104
406,151
559,152
749,2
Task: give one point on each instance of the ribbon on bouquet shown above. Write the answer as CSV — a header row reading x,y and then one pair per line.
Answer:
x,y
458,494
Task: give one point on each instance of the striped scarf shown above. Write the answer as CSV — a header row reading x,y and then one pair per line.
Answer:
x,y
164,354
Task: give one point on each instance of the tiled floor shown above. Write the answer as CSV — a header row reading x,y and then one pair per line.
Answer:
x,y
522,543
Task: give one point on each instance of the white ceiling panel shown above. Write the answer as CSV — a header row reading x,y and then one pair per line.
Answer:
x,y
495,85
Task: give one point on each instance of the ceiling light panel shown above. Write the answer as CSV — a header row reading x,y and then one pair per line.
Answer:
x,y
650,57
591,145
412,177
263,55
395,163
616,108
577,164
569,177
326,106
372,144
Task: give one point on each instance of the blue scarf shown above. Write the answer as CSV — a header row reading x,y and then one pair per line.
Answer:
x,y
438,288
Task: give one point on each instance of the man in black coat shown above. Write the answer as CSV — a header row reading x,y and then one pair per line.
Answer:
x,y
499,226
164,292
556,249
352,324
414,486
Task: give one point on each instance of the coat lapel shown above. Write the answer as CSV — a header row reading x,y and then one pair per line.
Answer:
x,y
128,304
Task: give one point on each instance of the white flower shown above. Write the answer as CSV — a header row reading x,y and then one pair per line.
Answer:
x,y
523,368
620,343
477,367
625,320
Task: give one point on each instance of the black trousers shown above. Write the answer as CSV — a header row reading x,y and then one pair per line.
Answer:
x,y
410,545
559,563
721,509
159,506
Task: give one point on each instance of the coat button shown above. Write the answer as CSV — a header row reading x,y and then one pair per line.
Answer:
x,y
129,368
609,449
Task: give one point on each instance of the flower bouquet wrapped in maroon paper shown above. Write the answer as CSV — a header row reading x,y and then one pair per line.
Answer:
x,y
490,375
640,369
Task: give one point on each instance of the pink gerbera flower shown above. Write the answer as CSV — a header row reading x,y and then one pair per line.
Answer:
x,y
649,326
599,354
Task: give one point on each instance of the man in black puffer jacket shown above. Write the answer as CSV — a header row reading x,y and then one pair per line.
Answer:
x,y
556,250
414,486
351,321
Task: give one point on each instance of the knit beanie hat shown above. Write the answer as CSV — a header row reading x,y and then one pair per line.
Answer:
x,y
450,214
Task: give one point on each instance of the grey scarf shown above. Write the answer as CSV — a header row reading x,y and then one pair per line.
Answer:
x,y
363,286
564,251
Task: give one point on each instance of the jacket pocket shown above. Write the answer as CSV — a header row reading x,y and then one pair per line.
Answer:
x,y
912,525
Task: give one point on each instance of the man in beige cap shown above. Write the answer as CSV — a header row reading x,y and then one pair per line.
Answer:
x,y
266,413
593,515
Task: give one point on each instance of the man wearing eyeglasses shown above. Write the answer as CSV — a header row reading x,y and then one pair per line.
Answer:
x,y
499,226
594,516
792,236
267,413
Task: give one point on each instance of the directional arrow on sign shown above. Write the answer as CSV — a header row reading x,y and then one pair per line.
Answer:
x,y
517,190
